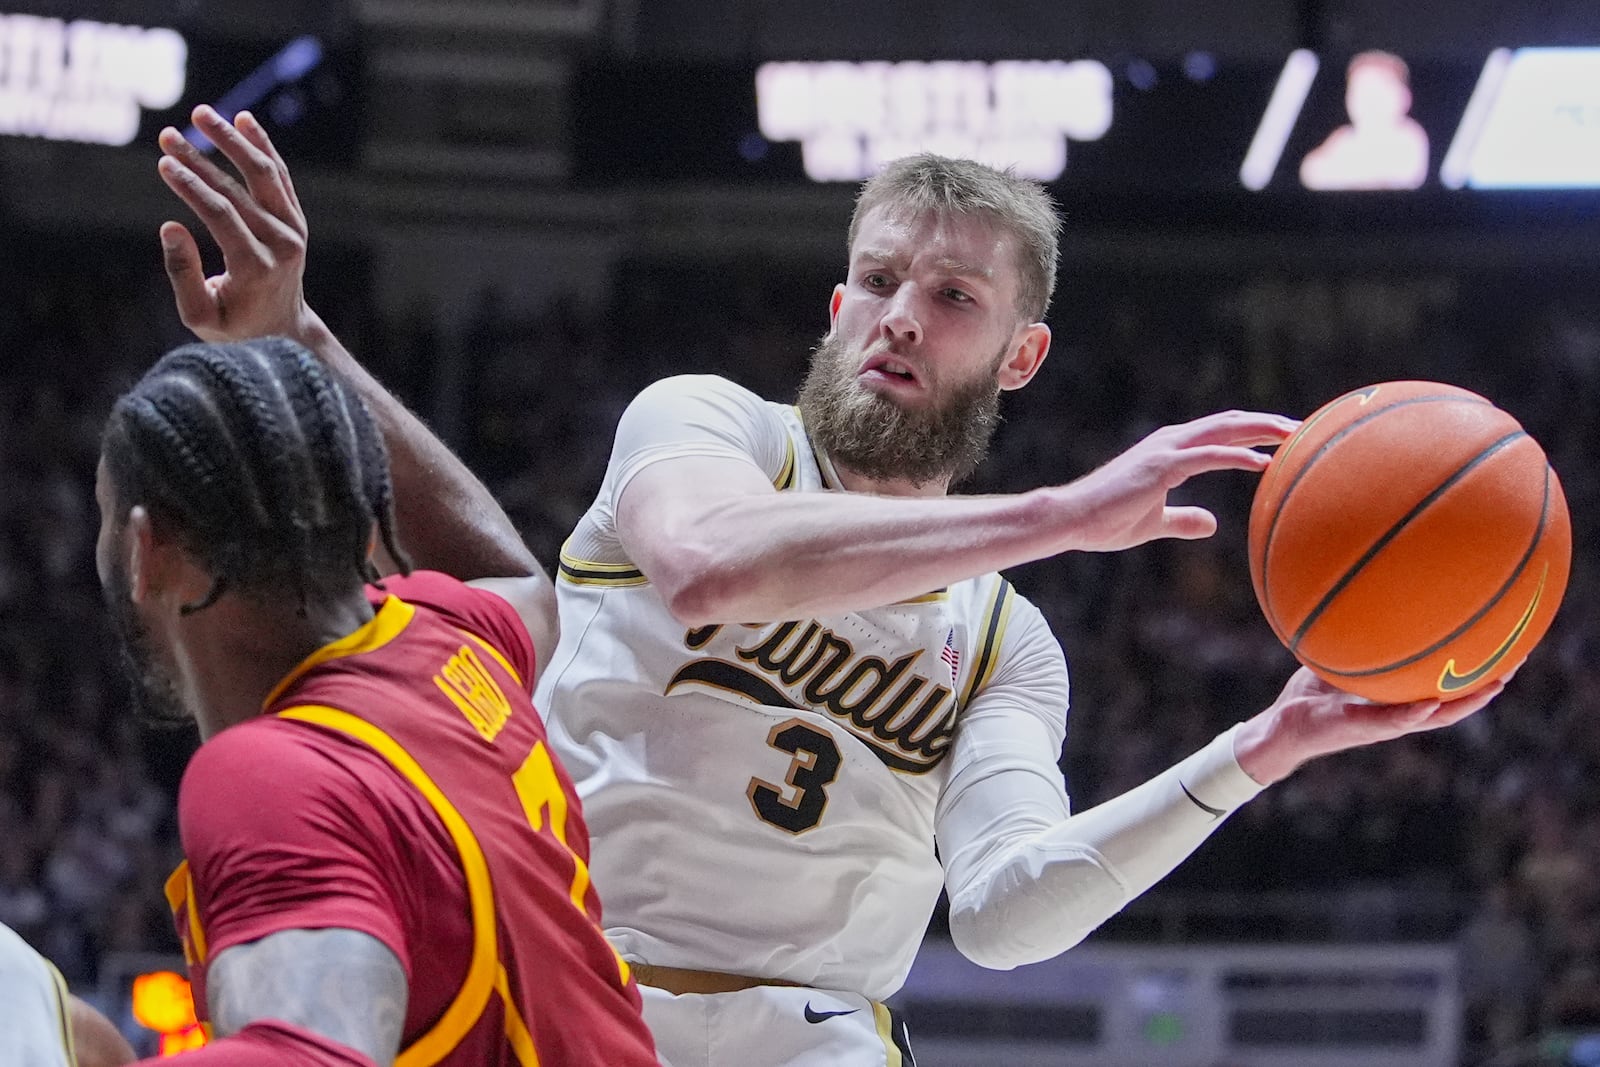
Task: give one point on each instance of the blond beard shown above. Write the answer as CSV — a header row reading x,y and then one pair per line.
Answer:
x,y
880,440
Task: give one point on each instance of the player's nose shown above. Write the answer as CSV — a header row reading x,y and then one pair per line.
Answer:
x,y
901,323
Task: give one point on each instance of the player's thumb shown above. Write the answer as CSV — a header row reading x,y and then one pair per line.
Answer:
x,y
1188,524
181,257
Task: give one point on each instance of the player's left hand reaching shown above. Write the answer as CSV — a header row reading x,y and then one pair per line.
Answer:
x,y
258,224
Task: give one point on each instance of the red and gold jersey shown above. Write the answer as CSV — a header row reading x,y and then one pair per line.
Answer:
x,y
399,784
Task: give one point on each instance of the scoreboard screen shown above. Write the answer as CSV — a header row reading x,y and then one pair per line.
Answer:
x,y
1314,125
87,81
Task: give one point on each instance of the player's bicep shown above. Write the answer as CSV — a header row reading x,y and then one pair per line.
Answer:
x,y
343,985
1004,780
659,508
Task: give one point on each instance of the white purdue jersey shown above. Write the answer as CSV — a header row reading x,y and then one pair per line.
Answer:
x,y
34,1031
762,798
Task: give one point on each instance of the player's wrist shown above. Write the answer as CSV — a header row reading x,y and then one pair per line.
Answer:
x,y
1062,511
1272,745
307,327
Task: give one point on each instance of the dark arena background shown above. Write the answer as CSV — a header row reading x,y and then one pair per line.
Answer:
x,y
523,211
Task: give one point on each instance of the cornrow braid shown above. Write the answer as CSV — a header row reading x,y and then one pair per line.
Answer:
x,y
264,464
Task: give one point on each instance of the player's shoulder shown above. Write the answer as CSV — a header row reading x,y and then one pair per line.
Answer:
x,y
266,777
262,752
989,594
437,593
1001,621
697,387
18,960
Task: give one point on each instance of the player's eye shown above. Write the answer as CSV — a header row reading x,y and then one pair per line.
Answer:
x,y
875,281
959,296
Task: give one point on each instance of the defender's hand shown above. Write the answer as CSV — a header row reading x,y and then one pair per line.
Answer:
x,y
259,226
1124,503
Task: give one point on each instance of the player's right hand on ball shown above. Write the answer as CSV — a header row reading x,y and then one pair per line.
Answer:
x,y
258,224
1124,503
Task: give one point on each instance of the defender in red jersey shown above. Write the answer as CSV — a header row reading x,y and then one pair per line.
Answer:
x,y
385,864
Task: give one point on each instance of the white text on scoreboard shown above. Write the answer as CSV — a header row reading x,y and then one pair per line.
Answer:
x,y
852,118
85,81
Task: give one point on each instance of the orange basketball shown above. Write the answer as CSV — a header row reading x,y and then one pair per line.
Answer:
x,y
1410,541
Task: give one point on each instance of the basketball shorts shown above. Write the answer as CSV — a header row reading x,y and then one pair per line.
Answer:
x,y
775,1026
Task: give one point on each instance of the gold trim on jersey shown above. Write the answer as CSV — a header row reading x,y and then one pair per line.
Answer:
x,y
467,1007
993,629
63,1011
789,475
387,623
926,598
578,571
516,1029
180,894
830,477
881,1016
498,656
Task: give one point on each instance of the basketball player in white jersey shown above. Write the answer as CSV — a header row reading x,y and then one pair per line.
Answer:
x,y
41,1024
789,670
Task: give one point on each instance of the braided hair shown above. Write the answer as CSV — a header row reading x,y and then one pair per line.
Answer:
x,y
262,462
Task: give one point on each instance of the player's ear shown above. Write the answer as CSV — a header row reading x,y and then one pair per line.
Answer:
x,y
1025,356
139,542
833,306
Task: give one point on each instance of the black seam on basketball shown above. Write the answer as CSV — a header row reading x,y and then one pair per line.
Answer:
x,y
1394,531
1539,531
1283,501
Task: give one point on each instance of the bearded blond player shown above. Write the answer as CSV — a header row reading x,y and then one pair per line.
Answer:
x,y
789,672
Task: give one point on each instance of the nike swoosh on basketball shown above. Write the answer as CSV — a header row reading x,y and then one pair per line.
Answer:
x,y
815,1016
1450,681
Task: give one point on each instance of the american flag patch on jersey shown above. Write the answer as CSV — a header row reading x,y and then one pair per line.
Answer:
x,y
951,656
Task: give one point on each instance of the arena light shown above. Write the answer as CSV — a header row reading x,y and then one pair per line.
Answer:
x,y
852,118
162,1001
85,81
1538,126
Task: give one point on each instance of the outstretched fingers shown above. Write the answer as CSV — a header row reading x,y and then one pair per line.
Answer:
x,y
217,211
246,124
1247,429
197,305
1185,463
1187,523
264,175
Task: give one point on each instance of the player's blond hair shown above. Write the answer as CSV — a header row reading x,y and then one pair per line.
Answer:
x,y
927,184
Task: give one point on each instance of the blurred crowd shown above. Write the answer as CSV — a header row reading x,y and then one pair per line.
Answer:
x,y
1494,825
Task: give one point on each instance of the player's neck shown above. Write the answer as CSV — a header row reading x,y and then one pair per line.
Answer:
x,y
233,660
860,483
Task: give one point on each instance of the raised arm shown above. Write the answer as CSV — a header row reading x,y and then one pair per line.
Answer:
x,y
447,519
722,545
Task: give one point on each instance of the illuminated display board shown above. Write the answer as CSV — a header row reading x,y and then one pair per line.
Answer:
x,y
84,80
1315,126
852,118
103,83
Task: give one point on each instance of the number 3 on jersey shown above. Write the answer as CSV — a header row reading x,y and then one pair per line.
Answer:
x,y
799,807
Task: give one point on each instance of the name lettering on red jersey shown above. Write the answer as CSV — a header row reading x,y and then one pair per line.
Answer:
x,y
473,690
